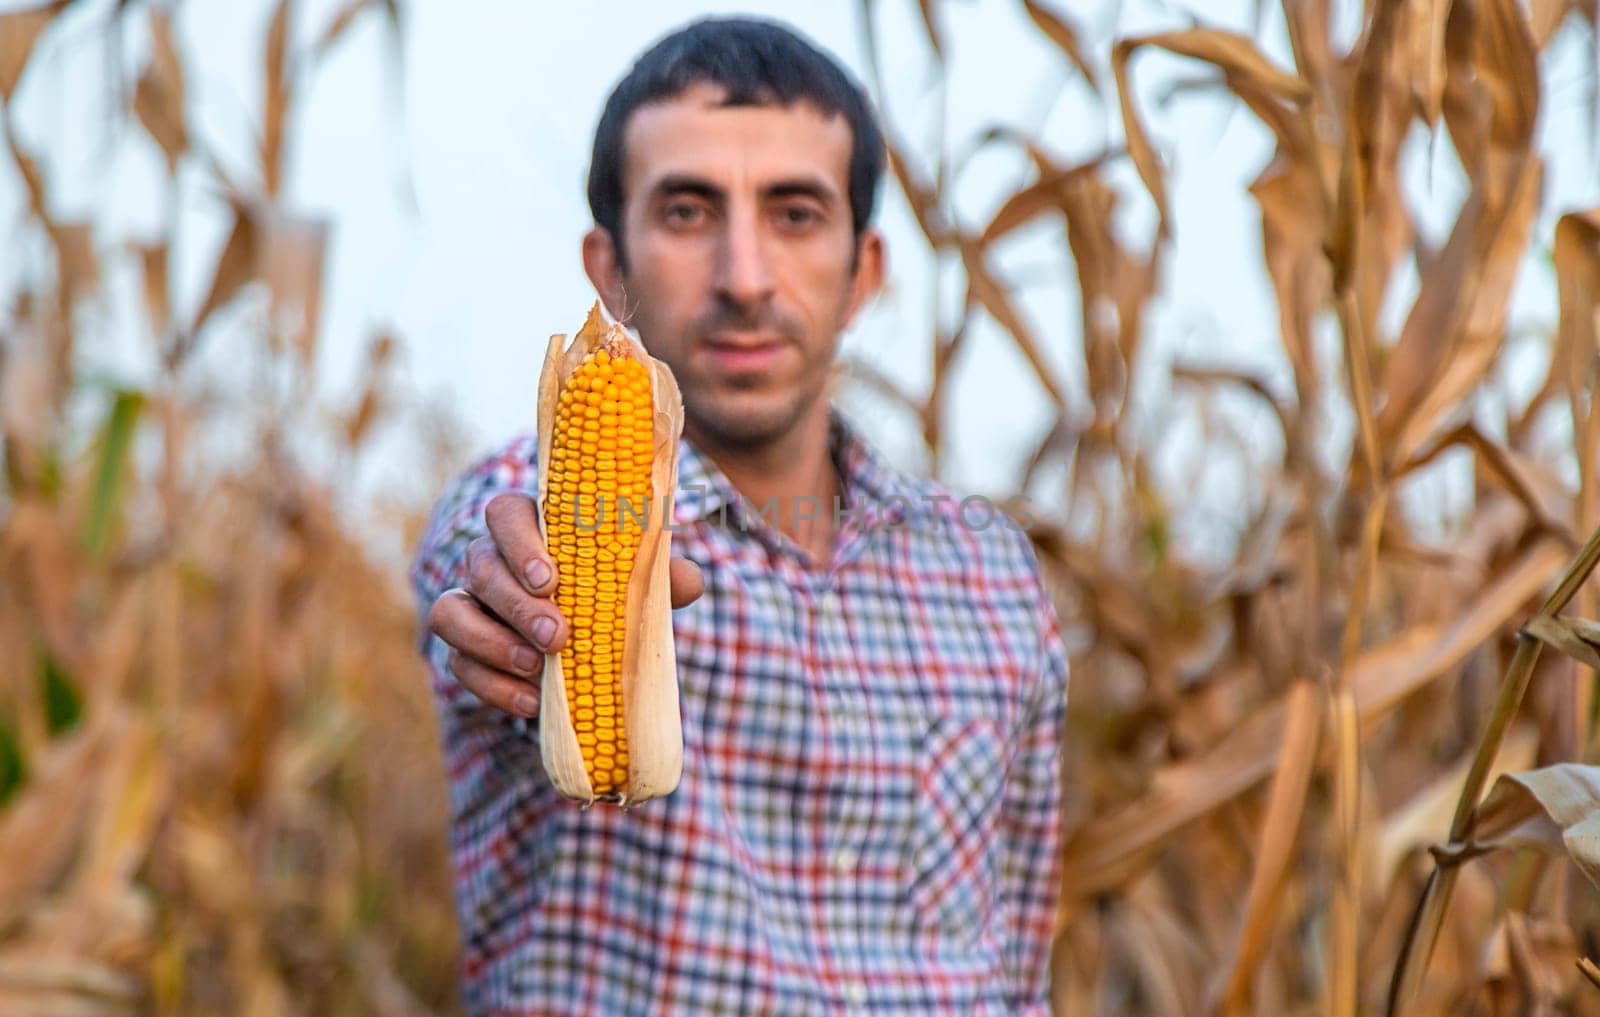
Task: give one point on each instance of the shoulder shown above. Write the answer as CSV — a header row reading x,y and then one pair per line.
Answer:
x,y
457,514
987,535
981,546
509,466
946,529
972,567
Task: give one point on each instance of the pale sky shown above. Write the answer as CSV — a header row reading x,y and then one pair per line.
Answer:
x,y
492,129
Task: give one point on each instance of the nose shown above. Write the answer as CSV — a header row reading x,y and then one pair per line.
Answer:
x,y
744,278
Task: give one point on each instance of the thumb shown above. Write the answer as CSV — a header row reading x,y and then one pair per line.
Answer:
x,y
685,581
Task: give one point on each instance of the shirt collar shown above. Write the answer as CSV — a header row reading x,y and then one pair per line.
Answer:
x,y
869,482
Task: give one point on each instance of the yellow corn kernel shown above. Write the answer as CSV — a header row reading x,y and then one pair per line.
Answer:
x,y
605,405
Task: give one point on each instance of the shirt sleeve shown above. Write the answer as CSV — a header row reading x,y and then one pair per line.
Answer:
x,y
440,565
1032,823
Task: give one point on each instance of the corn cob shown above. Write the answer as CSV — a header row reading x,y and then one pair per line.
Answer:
x,y
609,419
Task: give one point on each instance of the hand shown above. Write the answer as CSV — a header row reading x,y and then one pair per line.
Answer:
x,y
500,626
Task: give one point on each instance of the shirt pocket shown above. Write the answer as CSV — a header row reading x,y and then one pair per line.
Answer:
x,y
955,829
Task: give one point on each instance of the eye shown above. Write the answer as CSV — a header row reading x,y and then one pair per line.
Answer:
x,y
798,217
682,213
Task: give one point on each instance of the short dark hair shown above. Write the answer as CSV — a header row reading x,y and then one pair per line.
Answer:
x,y
757,63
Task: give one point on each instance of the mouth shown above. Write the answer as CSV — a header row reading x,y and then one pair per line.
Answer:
x,y
743,351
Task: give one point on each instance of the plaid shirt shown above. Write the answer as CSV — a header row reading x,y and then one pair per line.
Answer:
x,y
869,818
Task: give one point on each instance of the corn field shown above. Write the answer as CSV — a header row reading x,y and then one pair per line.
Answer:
x,y
1336,764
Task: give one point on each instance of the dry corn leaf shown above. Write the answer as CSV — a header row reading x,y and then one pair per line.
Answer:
x,y
1372,113
276,101
157,300
28,386
235,267
1176,642
1552,808
1158,953
32,179
946,345
1427,57
131,798
1114,283
855,369
1243,67
1545,16
1506,66
1293,228
76,266
1576,256
1280,828
41,985
338,25
1059,31
1344,904
1537,956
41,535
986,291
41,826
116,928
1535,488
1577,266
921,196
374,397
117,647
930,27
293,254
1371,225
1578,638
1046,194
157,623
166,620
158,99
216,872
19,33
1248,383
1112,847
1465,336
1424,818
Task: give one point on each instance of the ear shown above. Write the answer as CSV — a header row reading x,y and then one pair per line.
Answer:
x,y
870,261
604,270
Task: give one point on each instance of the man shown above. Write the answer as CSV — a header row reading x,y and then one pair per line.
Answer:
x,y
868,818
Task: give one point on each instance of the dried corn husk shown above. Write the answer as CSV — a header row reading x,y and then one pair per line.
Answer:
x,y
649,662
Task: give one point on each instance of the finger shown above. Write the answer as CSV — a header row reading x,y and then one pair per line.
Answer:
x,y
536,619
458,619
513,695
685,581
513,522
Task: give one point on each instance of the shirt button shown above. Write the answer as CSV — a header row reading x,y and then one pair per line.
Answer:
x,y
855,994
843,861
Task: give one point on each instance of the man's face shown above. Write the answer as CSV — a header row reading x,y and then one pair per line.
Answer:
x,y
737,229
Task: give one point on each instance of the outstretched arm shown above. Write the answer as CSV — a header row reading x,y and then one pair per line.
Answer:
x,y
1031,826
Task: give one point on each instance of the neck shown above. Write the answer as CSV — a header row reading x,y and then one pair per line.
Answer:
x,y
793,472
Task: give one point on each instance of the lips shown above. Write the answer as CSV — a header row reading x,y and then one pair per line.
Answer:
x,y
743,351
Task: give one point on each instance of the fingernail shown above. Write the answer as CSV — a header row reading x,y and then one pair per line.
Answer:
x,y
544,630
525,703
538,573
524,659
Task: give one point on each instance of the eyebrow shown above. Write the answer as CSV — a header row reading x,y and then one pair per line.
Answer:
x,y
688,183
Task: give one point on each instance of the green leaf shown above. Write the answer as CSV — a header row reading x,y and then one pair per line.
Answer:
x,y
63,704
13,770
50,474
116,437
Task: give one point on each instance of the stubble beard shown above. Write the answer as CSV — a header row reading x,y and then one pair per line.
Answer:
x,y
719,419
